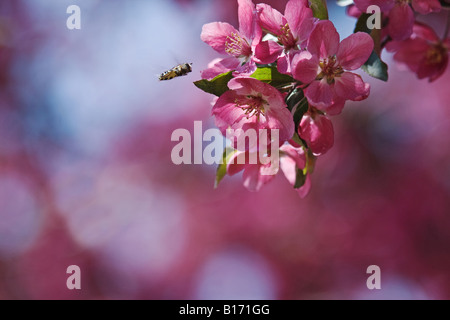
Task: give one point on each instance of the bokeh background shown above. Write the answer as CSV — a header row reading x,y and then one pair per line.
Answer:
x,y
86,176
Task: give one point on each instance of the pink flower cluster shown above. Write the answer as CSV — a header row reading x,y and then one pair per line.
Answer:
x,y
319,65
400,14
413,43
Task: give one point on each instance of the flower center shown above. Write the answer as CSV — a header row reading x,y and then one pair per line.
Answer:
x,y
286,38
400,2
330,69
236,46
252,106
435,55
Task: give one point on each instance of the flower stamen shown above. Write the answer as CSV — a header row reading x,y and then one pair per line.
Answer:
x,y
435,54
286,38
236,46
252,106
330,69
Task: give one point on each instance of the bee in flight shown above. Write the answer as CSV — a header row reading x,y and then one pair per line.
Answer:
x,y
177,71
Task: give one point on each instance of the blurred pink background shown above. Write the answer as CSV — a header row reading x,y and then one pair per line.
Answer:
x,y
86,176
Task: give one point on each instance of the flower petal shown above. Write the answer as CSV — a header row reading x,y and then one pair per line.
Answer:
x,y
244,86
411,52
282,120
432,71
353,11
219,66
225,111
319,94
305,67
253,180
294,158
288,166
215,34
270,19
295,153
350,86
426,6
355,50
267,52
447,43
318,133
336,107
299,18
421,30
401,21
233,166
305,189
385,5
246,69
324,40
284,62
246,14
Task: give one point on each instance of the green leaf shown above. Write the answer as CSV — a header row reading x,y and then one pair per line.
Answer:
x,y
294,97
361,24
216,86
296,138
300,179
301,108
445,3
297,104
310,162
376,68
271,76
319,8
222,168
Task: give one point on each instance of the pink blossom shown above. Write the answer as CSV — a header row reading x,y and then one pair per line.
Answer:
x,y
292,159
401,15
317,131
251,103
238,45
426,6
322,68
353,11
384,5
292,30
219,66
424,53
255,175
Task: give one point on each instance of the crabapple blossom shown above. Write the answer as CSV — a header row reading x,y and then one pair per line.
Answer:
x,y
291,30
323,67
237,44
292,159
252,104
401,15
424,53
305,75
317,130
256,175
